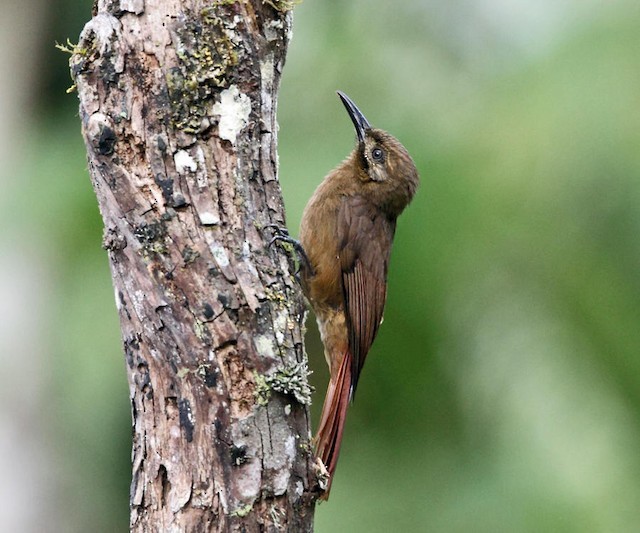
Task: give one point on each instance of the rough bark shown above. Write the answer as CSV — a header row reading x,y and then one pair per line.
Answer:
x,y
177,102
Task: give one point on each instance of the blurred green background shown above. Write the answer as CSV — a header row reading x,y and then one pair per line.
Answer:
x,y
503,392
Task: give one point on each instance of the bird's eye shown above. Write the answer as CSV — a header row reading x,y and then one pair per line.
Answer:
x,y
377,154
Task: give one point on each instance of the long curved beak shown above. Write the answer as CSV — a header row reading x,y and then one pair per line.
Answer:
x,y
359,121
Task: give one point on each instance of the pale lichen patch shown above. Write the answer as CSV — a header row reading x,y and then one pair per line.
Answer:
x,y
118,301
132,6
265,347
267,71
234,109
209,219
220,255
184,162
290,447
246,249
273,30
280,326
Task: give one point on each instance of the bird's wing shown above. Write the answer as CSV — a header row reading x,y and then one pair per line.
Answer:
x,y
365,241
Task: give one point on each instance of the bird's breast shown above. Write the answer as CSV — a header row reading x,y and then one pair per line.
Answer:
x,y
319,238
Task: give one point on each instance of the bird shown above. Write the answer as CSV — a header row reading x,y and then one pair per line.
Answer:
x,y
345,238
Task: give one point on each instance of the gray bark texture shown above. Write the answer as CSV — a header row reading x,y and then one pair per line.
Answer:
x,y
177,102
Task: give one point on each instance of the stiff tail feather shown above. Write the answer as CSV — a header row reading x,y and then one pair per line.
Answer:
x,y
334,413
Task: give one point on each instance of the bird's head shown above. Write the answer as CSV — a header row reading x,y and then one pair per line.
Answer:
x,y
383,165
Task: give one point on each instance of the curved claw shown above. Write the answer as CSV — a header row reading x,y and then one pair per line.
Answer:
x,y
277,238
276,228
282,234
279,233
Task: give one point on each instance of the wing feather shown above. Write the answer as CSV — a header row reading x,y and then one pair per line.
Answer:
x,y
365,246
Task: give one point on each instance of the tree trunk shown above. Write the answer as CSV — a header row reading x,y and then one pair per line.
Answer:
x,y
177,101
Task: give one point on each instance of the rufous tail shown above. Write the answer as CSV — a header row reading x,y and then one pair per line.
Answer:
x,y
334,413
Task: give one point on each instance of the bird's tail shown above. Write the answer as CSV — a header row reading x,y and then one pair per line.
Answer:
x,y
334,412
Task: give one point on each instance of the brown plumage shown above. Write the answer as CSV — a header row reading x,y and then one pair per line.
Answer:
x,y
346,232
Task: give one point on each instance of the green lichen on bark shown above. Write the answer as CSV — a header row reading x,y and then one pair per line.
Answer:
x,y
242,511
262,392
282,5
81,56
290,381
206,54
151,237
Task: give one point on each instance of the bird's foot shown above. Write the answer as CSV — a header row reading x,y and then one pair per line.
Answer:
x,y
295,249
